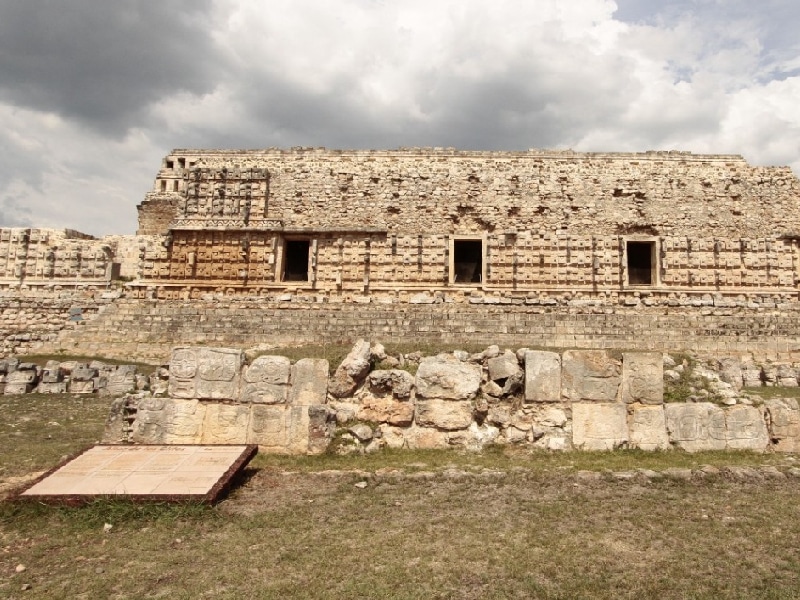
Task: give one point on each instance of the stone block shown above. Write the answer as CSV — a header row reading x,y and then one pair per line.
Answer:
x,y
282,429
19,382
542,376
746,429
168,421
386,410
643,377
504,366
266,380
82,373
599,426
225,423
446,377
52,375
590,375
354,368
321,428
424,438
119,381
448,415
396,382
784,423
696,426
205,373
81,387
309,378
648,428
730,371
59,387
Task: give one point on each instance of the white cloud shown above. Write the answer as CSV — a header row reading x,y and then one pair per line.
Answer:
x,y
512,74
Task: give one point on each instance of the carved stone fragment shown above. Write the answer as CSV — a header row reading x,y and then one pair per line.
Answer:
x,y
784,423
696,426
589,375
643,377
266,380
648,428
599,426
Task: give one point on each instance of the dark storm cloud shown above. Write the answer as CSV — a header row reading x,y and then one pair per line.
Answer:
x,y
99,62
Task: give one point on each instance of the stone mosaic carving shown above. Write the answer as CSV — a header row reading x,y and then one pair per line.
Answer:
x,y
205,373
695,427
266,380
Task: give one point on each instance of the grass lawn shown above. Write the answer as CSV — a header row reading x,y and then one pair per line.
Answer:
x,y
503,524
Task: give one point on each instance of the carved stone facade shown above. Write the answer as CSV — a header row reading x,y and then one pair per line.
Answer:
x,y
407,225
55,257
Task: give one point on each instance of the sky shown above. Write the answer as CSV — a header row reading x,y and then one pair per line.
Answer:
x,y
94,94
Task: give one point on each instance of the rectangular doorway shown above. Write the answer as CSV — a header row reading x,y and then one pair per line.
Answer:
x,y
641,263
295,260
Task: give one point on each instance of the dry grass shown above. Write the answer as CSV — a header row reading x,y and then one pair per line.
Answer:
x,y
427,525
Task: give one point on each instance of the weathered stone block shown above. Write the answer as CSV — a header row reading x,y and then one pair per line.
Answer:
x,y
205,373
386,410
59,387
309,377
648,428
225,423
446,377
81,387
643,377
121,380
592,375
504,366
168,421
266,380
269,427
542,376
696,427
396,382
20,382
349,375
444,414
599,426
746,429
784,423
82,373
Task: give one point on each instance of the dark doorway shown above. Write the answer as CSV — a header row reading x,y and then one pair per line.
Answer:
x,y
641,262
295,260
467,261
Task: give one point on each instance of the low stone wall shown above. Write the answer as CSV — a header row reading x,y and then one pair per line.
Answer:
x,y
577,399
30,319
147,329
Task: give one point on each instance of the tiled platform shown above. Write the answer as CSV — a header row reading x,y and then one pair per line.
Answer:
x,y
179,473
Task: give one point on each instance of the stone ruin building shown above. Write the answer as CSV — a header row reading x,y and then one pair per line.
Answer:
x,y
588,269
655,250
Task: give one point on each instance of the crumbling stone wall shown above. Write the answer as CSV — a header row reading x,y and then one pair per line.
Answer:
x,y
576,399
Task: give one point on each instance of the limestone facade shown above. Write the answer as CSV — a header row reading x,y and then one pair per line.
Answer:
x,y
392,225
